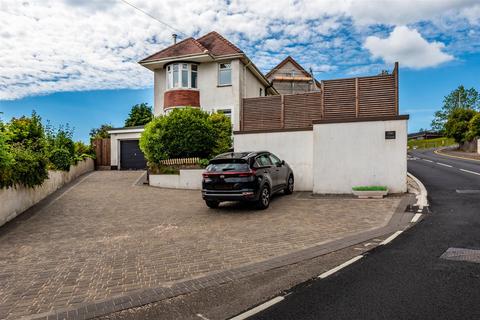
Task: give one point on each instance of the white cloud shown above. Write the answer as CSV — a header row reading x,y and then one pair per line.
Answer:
x,y
52,45
408,47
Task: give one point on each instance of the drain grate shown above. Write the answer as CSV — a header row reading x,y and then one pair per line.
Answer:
x,y
460,254
468,191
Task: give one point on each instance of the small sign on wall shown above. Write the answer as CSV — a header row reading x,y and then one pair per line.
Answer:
x,y
390,135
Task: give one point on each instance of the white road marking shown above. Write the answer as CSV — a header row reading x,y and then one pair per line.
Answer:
x,y
259,308
473,172
202,317
427,160
340,267
393,236
443,164
416,217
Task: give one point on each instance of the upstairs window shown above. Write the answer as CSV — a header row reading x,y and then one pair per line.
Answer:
x,y
225,74
182,75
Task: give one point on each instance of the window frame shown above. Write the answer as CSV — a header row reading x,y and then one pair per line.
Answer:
x,y
219,72
180,70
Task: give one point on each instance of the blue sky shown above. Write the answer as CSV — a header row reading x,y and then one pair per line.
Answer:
x,y
72,61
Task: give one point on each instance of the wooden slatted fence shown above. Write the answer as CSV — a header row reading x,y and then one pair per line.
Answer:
x,y
102,153
339,99
180,161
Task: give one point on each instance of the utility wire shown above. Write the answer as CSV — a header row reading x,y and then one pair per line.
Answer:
x,y
158,20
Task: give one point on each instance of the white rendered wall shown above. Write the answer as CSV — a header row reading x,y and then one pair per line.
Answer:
x,y
16,200
212,96
357,154
187,179
115,139
295,147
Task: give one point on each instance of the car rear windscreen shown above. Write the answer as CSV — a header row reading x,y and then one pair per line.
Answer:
x,y
228,165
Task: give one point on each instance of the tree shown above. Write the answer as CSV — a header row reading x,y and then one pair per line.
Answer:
x,y
139,115
457,124
459,98
101,132
474,128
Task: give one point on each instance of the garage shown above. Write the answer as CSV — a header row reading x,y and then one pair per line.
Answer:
x,y
131,157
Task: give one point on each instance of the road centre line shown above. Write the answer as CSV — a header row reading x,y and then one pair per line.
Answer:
x,y
427,160
443,164
472,172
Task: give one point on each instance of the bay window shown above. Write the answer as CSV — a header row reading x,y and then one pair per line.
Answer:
x,y
182,75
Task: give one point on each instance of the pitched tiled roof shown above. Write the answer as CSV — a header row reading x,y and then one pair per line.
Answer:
x,y
212,43
182,48
284,61
218,45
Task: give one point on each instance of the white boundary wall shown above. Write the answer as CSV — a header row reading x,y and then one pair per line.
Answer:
x,y
335,157
16,200
357,154
187,179
295,147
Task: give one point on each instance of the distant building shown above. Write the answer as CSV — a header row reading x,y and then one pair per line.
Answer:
x,y
289,77
424,135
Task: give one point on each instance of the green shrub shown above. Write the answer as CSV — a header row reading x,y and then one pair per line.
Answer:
x,y
28,132
203,163
30,167
7,162
183,133
222,127
473,127
370,188
60,159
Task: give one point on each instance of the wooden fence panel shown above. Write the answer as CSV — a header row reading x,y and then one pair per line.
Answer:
x,y
339,99
300,109
102,152
376,96
262,113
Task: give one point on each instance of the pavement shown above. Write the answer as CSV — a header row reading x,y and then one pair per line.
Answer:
x,y
409,278
104,244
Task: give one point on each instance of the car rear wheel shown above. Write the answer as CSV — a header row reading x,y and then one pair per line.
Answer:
x,y
264,199
290,183
212,203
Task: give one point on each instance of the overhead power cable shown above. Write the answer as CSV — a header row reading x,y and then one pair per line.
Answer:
x,y
155,18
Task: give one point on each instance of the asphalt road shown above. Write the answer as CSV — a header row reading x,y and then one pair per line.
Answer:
x,y
406,279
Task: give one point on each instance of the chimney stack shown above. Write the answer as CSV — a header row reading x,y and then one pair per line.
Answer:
x,y
174,36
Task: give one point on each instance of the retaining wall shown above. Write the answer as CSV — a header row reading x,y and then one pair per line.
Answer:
x,y
17,199
187,179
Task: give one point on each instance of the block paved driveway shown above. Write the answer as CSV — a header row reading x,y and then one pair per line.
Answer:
x,y
107,236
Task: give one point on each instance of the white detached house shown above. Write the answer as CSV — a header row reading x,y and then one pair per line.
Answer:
x,y
209,73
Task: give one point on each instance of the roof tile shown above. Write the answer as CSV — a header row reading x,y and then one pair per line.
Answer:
x,y
212,42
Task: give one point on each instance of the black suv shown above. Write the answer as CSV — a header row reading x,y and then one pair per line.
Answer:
x,y
245,176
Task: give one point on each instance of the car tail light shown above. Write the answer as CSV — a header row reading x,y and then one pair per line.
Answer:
x,y
249,173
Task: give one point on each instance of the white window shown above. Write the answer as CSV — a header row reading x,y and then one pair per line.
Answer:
x,y
182,75
224,74
226,112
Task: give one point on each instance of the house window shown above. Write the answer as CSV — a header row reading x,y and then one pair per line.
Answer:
x,y
226,112
225,74
194,75
182,75
261,92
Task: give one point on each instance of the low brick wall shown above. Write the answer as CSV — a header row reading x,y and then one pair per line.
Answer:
x,y
187,179
16,200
